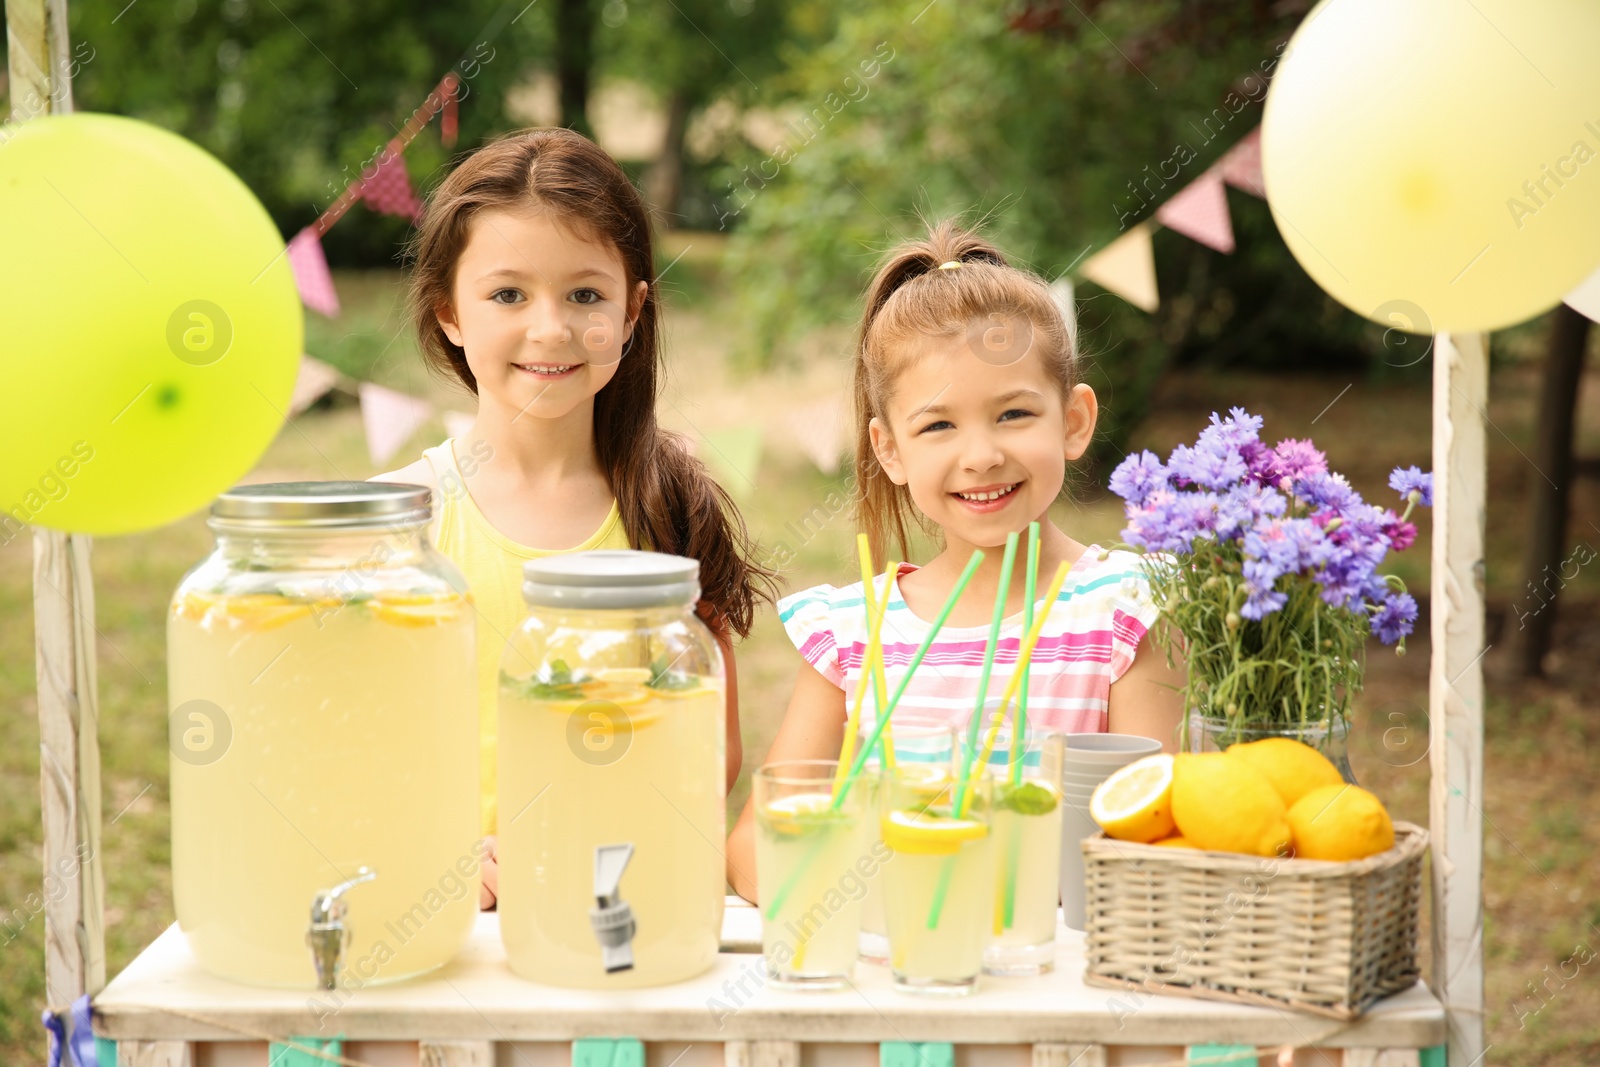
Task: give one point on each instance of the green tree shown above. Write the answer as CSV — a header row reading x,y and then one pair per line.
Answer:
x,y
1059,125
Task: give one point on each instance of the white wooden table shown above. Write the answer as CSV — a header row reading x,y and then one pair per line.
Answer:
x,y
163,1010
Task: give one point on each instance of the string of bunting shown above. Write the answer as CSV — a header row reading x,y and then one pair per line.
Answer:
x,y
385,186
1199,211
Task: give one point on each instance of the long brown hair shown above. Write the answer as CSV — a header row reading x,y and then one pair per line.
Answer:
x,y
667,499
910,297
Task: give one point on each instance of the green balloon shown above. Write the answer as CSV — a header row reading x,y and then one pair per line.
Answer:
x,y
152,327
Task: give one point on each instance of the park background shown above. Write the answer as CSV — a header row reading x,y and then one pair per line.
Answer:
x,y
1057,123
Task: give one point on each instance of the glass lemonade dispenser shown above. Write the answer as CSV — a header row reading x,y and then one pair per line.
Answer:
x,y
611,774
324,741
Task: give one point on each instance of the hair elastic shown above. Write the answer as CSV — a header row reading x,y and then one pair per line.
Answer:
x,y
950,264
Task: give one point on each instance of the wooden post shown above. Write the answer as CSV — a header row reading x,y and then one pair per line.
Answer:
x,y
1455,686
63,617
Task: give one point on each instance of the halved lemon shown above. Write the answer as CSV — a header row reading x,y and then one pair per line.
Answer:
x,y
1135,803
922,834
794,815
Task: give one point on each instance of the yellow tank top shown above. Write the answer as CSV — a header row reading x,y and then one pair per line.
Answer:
x,y
492,564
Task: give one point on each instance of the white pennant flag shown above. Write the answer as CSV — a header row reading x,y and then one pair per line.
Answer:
x,y
1127,267
390,418
819,430
1585,299
311,384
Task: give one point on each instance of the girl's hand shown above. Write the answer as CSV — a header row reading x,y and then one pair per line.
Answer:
x,y
489,887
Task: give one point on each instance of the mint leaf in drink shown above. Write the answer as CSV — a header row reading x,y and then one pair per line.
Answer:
x,y
663,677
1028,798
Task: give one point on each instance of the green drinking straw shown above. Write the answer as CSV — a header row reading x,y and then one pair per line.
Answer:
x,y
963,780
865,750
988,666
1020,728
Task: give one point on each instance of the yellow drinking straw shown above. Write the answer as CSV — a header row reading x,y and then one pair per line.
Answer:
x,y
872,663
880,674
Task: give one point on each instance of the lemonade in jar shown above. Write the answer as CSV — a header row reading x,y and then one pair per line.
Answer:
x,y
323,735
611,772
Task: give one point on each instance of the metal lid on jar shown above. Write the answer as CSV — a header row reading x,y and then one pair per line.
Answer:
x,y
321,506
611,578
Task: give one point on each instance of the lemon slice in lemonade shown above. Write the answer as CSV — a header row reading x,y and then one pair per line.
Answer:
x,y
254,611
800,813
418,609
920,834
1135,803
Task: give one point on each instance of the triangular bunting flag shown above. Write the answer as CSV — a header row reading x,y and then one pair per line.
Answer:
x,y
734,456
819,430
390,418
457,423
1241,165
1585,299
311,277
1065,296
1200,211
386,187
314,380
1127,267
449,116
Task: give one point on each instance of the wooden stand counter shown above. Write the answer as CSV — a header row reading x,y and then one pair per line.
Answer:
x,y
163,1010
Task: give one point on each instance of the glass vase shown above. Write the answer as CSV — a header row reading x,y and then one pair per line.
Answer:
x,y
1331,737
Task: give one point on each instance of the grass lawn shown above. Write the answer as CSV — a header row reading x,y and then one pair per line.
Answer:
x,y
1541,785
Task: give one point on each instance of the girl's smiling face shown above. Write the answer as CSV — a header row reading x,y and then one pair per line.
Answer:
x,y
542,311
982,448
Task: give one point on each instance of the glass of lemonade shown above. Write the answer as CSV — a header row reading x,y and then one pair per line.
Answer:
x,y
1027,851
811,864
923,745
611,736
322,722
939,885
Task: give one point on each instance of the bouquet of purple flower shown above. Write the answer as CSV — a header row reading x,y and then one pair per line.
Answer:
x,y
1266,563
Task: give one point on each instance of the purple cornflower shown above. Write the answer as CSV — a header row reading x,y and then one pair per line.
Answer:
x,y
1297,460
1137,476
1408,480
1394,618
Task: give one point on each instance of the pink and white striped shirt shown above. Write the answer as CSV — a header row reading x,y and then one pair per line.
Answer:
x,y
1088,642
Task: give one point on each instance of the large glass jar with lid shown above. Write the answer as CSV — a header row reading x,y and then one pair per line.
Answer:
x,y
323,730
611,768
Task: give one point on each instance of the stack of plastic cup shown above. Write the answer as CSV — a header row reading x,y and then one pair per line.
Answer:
x,y
1089,759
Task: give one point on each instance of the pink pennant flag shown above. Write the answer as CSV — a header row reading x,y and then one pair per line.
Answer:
x,y
1241,165
390,418
311,277
1200,211
386,187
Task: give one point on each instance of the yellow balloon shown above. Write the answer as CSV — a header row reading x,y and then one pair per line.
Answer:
x,y
1435,164
153,331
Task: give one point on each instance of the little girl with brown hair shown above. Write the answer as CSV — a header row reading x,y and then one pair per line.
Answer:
x,y
969,409
534,286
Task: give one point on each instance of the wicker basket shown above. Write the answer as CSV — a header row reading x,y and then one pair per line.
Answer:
x,y
1327,938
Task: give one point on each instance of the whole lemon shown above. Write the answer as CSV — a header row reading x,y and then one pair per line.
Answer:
x,y
1224,804
1293,768
1340,822
1175,841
